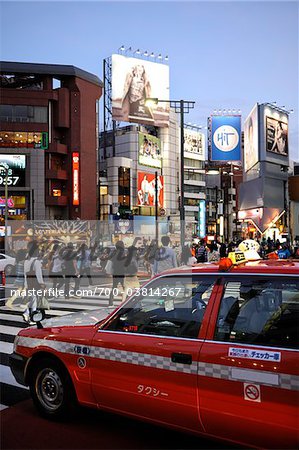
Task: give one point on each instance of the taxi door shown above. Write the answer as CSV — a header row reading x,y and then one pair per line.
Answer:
x,y
146,358
248,369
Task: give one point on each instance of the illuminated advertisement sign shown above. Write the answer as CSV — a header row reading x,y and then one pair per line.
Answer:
x,y
124,226
251,150
194,142
12,168
202,218
75,170
277,136
134,80
24,139
226,138
146,190
149,150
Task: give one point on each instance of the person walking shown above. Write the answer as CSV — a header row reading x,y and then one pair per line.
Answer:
x,y
213,254
187,259
165,257
117,261
149,256
56,267
202,252
70,271
19,282
131,281
33,279
84,263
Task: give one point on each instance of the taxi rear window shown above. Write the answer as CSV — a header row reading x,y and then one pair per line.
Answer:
x,y
262,311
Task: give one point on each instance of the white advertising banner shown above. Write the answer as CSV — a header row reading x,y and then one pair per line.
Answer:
x,y
133,81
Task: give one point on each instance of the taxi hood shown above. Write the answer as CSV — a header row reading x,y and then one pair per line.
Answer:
x,y
83,318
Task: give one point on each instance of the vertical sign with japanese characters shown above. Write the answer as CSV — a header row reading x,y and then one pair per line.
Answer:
x,y
75,171
226,138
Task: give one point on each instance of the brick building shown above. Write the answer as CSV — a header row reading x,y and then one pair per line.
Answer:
x,y
48,141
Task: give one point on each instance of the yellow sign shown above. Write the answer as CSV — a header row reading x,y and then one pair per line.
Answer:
x,y
237,257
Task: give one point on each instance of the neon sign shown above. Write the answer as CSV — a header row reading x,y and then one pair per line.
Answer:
x,y
75,170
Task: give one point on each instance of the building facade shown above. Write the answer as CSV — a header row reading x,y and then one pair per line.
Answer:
x,y
132,158
48,141
264,193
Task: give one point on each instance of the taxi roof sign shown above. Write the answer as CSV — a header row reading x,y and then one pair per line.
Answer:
x,y
237,257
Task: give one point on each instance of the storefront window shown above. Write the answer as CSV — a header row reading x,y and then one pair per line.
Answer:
x,y
23,139
17,208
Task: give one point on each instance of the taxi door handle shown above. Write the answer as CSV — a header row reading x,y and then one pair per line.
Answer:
x,y
181,358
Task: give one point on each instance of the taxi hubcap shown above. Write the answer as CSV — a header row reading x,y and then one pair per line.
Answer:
x,y
49,389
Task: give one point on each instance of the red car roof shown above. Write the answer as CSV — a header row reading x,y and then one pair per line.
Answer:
x,y
268,266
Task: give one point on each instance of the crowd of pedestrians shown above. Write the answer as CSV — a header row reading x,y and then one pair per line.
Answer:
x,y
66,265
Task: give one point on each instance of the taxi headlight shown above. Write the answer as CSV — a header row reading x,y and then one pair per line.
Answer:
x,y
16,343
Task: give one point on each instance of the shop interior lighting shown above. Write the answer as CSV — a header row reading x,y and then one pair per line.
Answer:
x,y
122,48
152,55
166,58
137,51
145,53
212,172
159,56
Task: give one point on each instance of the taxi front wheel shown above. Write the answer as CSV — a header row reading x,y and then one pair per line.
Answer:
x,y
52,389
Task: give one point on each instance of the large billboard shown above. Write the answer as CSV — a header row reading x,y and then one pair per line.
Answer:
x,y
146,190
277,136
134,80
194,142
251,144
13,167
226,138
149,150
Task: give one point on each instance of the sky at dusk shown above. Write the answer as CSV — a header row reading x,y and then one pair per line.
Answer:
x,y
221,54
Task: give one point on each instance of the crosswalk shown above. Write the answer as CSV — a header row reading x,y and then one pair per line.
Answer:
x,y
11,322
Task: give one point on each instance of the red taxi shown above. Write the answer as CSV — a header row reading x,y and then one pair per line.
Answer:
x,y
200,349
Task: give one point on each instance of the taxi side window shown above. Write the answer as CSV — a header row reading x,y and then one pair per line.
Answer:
x,y
169,306
260,311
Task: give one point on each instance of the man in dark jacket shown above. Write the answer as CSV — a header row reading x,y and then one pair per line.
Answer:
x,y
131,281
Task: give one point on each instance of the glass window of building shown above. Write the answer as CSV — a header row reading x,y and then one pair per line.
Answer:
x,y
24,113
124,186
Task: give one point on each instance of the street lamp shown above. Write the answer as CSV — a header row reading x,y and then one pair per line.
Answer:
x,y
179,106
